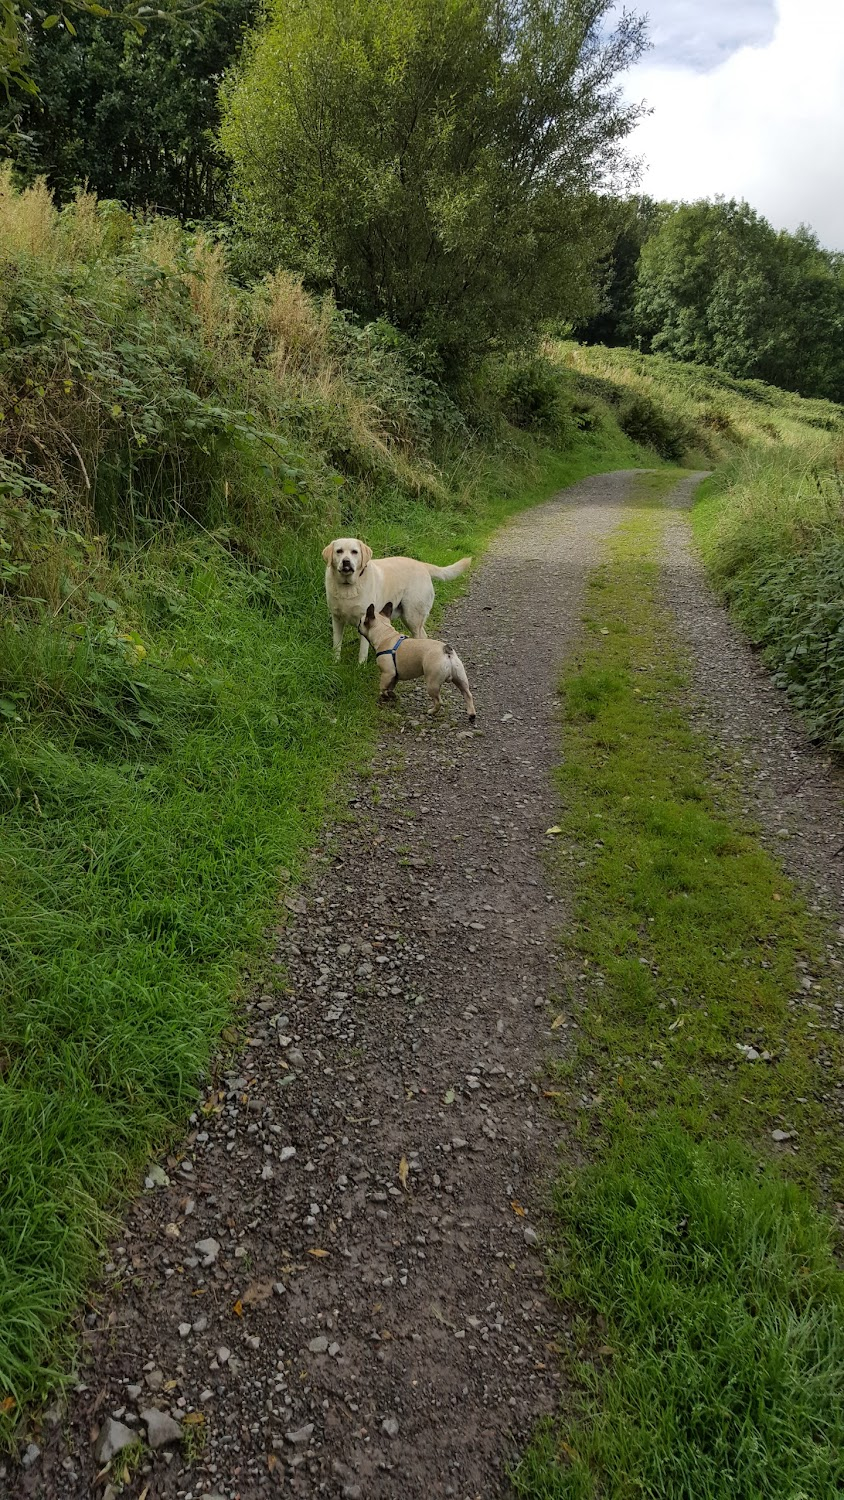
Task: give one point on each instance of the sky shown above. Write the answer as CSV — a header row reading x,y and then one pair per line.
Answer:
x,y
747,101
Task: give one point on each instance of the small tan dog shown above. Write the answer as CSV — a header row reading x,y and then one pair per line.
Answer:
x,y
400,658
354,580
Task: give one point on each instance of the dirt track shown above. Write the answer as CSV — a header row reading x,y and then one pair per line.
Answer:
x,y
373,1321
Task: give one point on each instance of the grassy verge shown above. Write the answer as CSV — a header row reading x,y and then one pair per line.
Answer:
x,y
770,523
771,529
159,785
707,1361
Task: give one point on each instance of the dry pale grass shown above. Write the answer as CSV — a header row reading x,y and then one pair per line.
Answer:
x,y
28,220
300,326
211,294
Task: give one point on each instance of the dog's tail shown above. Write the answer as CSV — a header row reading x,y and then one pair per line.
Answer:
x,y
453,571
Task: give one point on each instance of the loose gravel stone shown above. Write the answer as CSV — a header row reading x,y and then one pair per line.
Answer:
x,y
161,1427
112,1437
208,1249
300,1436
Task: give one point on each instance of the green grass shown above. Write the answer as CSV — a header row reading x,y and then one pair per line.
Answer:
x,y
722,1346
705,1275
153,805
770,527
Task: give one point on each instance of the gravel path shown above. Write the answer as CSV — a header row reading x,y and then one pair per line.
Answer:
x,y
794,791
340,1275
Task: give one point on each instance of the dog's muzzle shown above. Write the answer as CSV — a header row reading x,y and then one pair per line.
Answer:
x,y
347,567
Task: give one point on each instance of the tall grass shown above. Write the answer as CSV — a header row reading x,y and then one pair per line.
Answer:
x,y
771,527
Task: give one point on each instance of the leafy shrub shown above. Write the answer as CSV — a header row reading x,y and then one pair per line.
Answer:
x,y
643,421
776,549
588,415
533,396
793,607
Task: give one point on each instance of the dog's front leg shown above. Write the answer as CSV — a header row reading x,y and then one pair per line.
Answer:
x,y
337,634
364,650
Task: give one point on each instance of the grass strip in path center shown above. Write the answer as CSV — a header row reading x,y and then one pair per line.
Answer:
x,y
708,1309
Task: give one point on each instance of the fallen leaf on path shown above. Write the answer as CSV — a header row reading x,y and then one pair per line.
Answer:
x,y
556,829
238,1309
449,1096
776,896
8,1404
319,1254
193,1419
404,1169
558,1020
517,1209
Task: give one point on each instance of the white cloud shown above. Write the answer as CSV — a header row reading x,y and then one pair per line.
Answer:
x,y
694,35
766,125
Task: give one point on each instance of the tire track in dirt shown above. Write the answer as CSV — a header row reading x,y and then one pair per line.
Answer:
x,y
385,1111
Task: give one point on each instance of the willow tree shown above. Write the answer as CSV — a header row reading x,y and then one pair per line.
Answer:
x,y
439,163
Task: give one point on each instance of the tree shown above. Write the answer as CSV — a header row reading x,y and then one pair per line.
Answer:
x,y
21,23
136,117
717,284
436,162
635,220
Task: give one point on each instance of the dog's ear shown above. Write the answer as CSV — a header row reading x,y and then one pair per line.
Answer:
x,y
327,551
366,555
370,614
387,609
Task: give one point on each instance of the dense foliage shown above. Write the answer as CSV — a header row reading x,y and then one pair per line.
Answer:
x,y
437,163
133,116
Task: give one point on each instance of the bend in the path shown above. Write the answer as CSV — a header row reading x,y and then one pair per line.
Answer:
x,y
371,1320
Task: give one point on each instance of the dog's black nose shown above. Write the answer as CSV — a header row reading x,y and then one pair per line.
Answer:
x,y
346,566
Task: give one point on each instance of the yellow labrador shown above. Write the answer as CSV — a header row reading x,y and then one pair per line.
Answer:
x,y
399,659
354,580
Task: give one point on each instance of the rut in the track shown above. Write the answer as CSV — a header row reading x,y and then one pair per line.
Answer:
x,y
403,1041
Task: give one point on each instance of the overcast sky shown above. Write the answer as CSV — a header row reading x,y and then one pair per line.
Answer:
x,y
748,101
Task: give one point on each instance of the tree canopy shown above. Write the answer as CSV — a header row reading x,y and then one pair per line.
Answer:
x,y
717,284
134,117
438,162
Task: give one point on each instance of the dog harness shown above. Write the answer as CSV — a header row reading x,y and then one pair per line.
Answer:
x,y
391,651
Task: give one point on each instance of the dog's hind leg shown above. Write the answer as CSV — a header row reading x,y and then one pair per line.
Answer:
x,y
416,606
461,682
